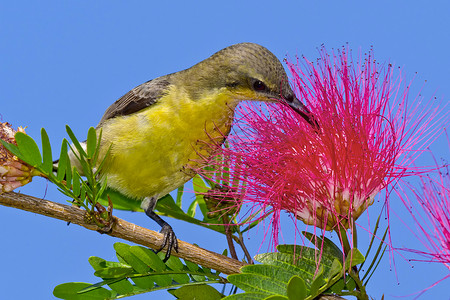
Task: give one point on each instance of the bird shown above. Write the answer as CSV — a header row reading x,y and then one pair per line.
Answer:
x,y
152,135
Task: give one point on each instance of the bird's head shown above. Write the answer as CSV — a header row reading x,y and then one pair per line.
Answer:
x,y
249,72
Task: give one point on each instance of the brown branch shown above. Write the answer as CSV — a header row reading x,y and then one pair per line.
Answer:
x,y
127,231
122,229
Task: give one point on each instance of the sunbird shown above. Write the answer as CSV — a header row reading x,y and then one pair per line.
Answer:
x,y
156,132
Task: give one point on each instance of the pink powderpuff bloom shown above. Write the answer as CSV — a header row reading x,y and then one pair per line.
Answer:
x,y
328,176
430,209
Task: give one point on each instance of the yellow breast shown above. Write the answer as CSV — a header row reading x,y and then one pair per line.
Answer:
x,y
150,149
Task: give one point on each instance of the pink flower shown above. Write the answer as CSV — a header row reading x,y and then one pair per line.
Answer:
x,y
369,131
430,209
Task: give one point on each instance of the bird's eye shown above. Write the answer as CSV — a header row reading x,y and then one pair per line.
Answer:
x,y
258,85
289,98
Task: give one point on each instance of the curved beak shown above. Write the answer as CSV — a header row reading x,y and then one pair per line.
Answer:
x,y
304,112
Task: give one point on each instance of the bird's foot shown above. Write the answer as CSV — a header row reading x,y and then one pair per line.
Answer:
x,y
170,240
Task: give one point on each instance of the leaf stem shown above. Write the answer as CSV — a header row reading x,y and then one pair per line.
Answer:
x,y
372,239
362,295
342,234
354,235
376,266
163,288
376,255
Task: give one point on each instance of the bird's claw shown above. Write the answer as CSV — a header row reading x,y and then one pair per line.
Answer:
x,y
169,240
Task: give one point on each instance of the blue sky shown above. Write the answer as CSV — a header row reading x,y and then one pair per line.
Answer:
x,y
65,62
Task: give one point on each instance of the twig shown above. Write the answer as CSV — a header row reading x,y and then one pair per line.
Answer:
x,y
122,229
228,234
244,248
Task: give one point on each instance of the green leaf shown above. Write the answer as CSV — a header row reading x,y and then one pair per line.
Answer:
x,y
193,267
281,274
28,149
325,244
68,171
114,272
276,297
210,274
166,206
144,282
122,287
296,289
175,264
304,263
91,142
47,163
354,258
70,291
82,194
76,183
120,201
336,268
199,185
97,263
180,195
99,284
154,262
317,283
338,286
351,284
75,142
196,292
123,250
200,188
258,283
81,161
97,151
101,191
149,258
247,296
191,210
11,148
64,163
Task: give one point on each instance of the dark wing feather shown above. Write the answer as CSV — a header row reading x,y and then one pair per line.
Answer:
x,y
137,99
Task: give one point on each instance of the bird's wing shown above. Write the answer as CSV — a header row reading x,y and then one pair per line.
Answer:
x,y
137,99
